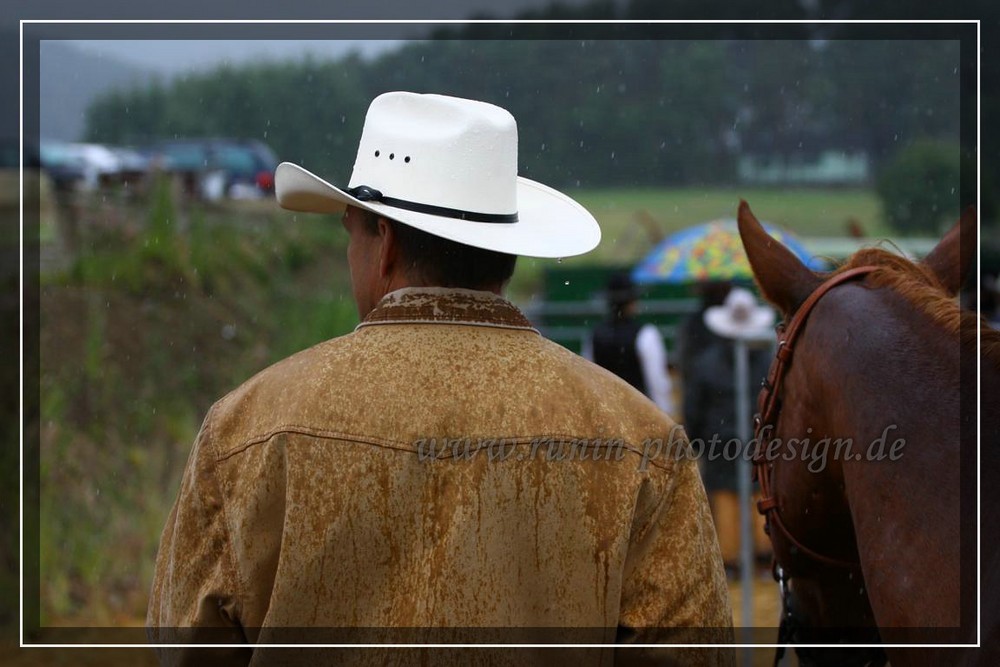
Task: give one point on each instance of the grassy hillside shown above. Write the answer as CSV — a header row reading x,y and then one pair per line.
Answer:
x,y
166,308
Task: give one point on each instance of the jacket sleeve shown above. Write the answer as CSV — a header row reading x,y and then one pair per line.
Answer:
x,y
194,598
674,586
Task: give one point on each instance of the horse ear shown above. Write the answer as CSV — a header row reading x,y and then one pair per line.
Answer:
x,y
953,256
783,279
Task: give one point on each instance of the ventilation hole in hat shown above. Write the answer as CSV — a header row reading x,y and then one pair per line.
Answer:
x,y
406,159
376,153
392,156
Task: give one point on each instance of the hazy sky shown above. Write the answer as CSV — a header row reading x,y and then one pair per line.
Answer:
x,y
174,56
171,57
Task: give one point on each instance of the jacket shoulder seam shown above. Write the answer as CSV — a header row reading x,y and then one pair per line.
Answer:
x,y
300,429
659,462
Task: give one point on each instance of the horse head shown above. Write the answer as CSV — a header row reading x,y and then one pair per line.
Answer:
x,y
858,445
786,282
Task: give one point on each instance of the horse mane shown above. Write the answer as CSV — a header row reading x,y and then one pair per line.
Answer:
x,y
919,285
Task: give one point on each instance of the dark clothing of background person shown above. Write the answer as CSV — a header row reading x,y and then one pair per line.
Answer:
x,y
707,363
710,405
614,349
631,350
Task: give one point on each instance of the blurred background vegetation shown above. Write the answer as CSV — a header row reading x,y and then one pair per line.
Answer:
x,y
591,113
169,304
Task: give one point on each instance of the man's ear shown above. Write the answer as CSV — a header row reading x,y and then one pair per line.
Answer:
x,y
388,256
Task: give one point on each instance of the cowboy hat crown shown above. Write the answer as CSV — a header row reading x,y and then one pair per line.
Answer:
x,y
447,166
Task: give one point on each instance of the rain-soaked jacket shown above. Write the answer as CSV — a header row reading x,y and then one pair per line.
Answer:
x,y
441,474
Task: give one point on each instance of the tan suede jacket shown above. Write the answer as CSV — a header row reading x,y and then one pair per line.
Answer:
x,y
441,474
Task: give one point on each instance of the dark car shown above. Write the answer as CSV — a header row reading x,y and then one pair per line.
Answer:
x,y
217,168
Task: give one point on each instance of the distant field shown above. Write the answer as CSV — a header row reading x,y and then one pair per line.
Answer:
x,y
805,212
628,219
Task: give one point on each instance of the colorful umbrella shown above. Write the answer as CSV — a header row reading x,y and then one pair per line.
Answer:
x,y
710,251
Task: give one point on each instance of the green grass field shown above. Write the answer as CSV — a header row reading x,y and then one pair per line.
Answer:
x,y
631,220
807,212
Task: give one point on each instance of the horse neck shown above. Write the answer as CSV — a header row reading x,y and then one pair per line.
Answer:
x,y
879,362
886,374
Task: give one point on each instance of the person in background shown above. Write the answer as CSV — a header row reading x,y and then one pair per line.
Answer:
x,y
709,392
631,350
693,334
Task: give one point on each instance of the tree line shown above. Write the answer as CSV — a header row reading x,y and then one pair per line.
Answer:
x,y
593,109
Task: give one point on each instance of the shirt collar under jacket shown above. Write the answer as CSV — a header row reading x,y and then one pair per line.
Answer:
x,y
446,305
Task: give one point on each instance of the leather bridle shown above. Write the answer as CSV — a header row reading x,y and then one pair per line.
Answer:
x,y
769,406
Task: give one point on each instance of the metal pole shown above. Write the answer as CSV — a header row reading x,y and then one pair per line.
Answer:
x,y
742,379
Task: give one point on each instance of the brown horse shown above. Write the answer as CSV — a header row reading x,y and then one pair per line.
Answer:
x,y
866,451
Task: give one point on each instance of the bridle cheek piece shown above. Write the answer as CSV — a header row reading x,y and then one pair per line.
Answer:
x,y
769,407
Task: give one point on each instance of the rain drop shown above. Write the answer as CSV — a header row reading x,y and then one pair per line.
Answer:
x,y
566,283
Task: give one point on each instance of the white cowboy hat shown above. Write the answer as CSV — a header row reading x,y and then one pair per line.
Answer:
x,y
447,166
739,316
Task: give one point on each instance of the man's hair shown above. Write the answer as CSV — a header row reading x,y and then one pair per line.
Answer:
x,y
443,263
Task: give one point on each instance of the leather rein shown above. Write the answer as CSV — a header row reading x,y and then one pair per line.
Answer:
x,y
769,406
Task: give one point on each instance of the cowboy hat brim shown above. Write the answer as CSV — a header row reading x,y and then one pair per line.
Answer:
x,y
549,224
758,325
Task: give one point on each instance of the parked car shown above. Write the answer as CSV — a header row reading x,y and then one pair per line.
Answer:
x,y
217,168
92,166
100,164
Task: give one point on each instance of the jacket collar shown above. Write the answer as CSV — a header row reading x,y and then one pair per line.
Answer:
x,y
446,305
